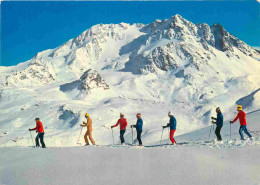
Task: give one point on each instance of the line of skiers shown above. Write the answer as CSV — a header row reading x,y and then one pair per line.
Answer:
x,y
122,122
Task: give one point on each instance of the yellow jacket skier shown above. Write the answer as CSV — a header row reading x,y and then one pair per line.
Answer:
x,y
89,130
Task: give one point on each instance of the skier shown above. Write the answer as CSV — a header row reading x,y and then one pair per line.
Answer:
x,y
242,119
89,130
172,125
139,128
123,123
219,122
39,129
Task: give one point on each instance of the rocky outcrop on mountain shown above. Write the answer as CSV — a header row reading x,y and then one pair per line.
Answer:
x,y
39,72
177,39
91,79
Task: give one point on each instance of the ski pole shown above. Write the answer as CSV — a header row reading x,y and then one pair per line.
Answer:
x,y
31,138
230,131
79,135
113,136
161,137
132,135
169,135
210,130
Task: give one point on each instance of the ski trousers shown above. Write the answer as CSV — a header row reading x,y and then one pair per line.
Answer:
x,y
171,136
139,137
89,135
217,132
243,128
40,136
122,132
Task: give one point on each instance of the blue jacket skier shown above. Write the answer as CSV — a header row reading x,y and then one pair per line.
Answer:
x,y
139,128
172,125
219,123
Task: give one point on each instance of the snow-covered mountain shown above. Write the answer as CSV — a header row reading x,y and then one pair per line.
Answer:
x,y
170,64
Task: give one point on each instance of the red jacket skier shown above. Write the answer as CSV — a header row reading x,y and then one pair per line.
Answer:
x,y
123,123
40,130
39,126
242,119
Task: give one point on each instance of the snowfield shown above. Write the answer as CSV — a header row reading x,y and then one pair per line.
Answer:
x,y
204,161
149,166
167,65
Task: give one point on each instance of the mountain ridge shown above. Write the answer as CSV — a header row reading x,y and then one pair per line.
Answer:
x,y
87,47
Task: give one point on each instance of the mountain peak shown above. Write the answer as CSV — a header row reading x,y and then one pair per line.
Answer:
x,y
177,17
161,45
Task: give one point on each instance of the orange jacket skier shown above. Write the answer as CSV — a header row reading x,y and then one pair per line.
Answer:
x,y
88,133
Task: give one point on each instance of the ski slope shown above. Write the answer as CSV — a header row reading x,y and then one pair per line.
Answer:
x,y
194,161
168,65
253,120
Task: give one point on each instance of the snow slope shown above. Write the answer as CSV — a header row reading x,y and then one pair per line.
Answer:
x,y
203,135
228,163
27,166
172,64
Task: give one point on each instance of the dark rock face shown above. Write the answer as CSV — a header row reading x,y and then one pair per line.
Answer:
x,y
91,79
222,38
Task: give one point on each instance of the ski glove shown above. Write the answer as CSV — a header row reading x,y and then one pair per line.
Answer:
x,y
112,126
231,122
163,127
30,129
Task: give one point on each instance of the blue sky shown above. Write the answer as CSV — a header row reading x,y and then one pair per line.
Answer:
x,y
30,27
